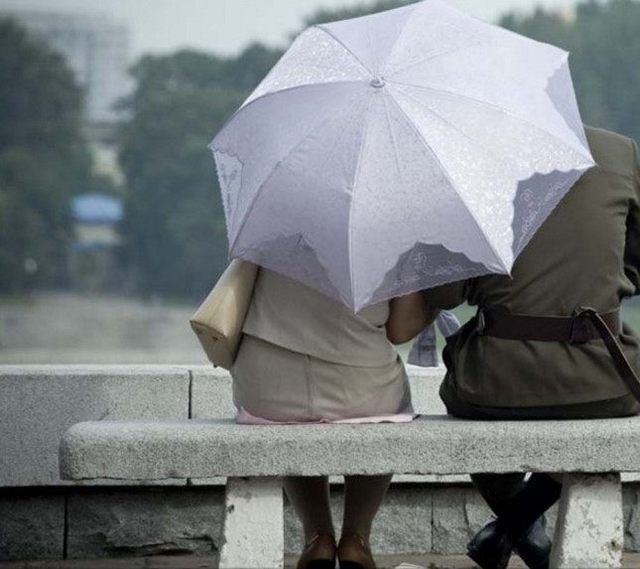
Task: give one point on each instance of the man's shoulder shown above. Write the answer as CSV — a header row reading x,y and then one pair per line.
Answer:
x,y
603,135
612,151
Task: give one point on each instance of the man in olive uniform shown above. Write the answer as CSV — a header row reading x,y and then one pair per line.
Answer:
x,y
534,352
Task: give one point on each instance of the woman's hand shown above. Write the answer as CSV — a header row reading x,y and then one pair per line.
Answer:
x,y
409,315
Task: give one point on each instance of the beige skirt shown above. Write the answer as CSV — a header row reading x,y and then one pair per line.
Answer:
x,y
277,384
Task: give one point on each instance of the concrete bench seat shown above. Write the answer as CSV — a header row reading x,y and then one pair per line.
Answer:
x,y
589,454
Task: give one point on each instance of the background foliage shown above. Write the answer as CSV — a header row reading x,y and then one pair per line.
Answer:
x,y
174,222
43,160
174,225
604,41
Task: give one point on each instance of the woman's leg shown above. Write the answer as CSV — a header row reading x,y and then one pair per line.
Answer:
x,y
309,496
363,496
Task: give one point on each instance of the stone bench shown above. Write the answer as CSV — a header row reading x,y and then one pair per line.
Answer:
x,y
589,454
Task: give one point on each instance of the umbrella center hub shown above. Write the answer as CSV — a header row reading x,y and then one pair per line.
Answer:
x,y
378,82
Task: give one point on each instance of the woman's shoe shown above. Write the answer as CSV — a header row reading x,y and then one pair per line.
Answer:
x,y
354,552
319,553
491,547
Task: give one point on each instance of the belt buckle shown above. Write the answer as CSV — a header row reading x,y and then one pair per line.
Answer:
x,y
580,326
481,323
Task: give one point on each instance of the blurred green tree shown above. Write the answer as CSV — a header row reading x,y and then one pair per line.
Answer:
x,y
174,223
325,15
44,160
604,42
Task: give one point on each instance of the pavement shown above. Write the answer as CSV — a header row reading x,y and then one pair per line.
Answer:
x,y
631,561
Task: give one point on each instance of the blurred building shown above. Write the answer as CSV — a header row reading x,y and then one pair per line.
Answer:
x,y
567,14
95,47
94,258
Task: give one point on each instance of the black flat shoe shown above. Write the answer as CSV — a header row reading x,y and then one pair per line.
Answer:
x,y
491,547
534,547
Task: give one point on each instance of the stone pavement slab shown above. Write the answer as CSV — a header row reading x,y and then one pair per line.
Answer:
x,y
631,561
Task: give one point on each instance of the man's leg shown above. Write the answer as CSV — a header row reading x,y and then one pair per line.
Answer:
x,y
517,504
519,525
498,489
540,492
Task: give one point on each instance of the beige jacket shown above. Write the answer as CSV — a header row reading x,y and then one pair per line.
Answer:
x,y
293,316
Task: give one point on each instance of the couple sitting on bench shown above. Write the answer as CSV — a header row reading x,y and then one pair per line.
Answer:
x,y
546,343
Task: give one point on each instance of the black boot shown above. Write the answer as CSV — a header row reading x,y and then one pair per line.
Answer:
x,y
491,547
534,547
517,525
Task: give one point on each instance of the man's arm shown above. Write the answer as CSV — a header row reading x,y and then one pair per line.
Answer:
x,y
632,248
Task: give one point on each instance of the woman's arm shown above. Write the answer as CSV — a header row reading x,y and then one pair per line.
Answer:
x,y
409,315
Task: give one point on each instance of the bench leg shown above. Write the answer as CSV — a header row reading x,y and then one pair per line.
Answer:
x,y
253,524
589,531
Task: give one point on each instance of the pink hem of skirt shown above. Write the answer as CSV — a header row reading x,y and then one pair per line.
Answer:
x,y
243,417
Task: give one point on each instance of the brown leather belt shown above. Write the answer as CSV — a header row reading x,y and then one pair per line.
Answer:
x,y
585,325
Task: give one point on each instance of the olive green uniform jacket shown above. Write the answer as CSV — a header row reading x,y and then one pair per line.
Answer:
x,y
586,254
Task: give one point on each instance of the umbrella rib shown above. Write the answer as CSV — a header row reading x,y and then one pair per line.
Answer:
x,y
393,137
399,37
280,162
281,91
436,56
355,57
455,128
356,177
448,176
371,50
493,106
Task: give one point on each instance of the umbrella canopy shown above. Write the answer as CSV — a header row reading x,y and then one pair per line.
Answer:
x,y
400,151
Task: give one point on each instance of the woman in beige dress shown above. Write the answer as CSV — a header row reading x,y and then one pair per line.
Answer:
x,y
306,358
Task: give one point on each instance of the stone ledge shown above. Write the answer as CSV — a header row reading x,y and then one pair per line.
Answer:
x,y
132,450
39,402
91,392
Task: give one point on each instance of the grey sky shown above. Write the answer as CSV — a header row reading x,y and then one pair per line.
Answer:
x,y
225,26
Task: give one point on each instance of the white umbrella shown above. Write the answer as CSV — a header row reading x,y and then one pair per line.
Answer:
x,y
400,151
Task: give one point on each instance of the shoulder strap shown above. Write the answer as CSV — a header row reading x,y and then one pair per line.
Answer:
x,y
626,372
